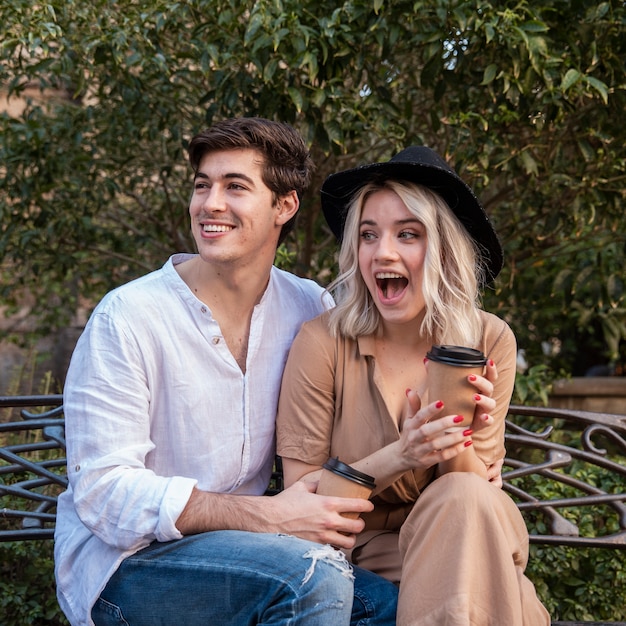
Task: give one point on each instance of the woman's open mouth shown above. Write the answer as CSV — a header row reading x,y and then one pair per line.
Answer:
x,y
391,285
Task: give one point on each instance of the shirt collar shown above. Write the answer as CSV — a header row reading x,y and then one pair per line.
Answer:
x,y
367,346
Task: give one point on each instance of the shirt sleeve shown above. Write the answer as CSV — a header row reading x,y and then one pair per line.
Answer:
x,y
499,344
107,404
306,407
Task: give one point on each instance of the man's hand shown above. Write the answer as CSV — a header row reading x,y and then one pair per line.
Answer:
x,y
299,511
295,511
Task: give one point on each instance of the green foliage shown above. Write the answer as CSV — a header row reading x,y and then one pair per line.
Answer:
x,y
574,583
524,98
27,588
533,387
579,583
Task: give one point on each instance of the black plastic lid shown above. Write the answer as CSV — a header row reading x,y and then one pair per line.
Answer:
x,y
342,469
456,355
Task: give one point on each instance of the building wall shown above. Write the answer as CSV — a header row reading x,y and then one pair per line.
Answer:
x,y
600,394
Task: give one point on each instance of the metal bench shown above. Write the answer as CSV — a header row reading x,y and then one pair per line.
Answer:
x,y
562,467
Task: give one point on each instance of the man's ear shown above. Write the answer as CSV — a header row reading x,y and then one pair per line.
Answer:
x,y
288,206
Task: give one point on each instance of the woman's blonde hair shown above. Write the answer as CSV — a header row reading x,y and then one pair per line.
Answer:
x,y
453,271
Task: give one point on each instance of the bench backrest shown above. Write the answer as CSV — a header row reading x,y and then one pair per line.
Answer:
x,y
565,469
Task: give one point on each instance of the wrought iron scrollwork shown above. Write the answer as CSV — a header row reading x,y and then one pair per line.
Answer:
x,y
558,474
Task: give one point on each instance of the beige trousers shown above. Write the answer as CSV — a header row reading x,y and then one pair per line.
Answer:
x,y
459,557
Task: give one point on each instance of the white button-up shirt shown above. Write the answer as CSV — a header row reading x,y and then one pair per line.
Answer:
x,y
156,404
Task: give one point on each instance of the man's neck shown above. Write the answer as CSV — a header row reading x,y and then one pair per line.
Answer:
x,y
231,294
226,286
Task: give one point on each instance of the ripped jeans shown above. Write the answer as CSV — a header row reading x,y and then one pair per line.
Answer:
x,y
235,578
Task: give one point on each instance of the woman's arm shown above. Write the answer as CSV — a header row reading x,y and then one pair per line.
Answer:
x,y
295,470
423,443
494,391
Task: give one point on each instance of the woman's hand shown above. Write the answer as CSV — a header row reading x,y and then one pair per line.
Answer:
x,y
494,473
485,404
423,443
427,439
447,452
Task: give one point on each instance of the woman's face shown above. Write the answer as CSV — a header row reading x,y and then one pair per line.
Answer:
x,y
392,247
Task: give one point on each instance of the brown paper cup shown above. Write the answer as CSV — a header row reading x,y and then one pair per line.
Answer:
x,y
339,479
447,381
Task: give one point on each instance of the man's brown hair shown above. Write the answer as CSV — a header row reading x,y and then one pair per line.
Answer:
x,y
287,163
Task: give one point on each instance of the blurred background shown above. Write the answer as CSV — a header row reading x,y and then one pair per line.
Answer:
x,y
526,99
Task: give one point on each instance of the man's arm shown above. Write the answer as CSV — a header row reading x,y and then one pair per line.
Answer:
x,y
296,511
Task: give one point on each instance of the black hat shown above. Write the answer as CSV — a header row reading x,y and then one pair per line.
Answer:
x,y
421,165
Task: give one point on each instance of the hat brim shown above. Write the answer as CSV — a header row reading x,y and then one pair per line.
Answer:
x,y
338,189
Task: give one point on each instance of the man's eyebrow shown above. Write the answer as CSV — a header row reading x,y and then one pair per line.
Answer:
x,y
227,176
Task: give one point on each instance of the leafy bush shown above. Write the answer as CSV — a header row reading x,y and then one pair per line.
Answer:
x,y
579,583
533,386
525,98
27,587
576,583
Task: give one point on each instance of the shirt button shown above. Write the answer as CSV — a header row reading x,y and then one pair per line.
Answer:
x,y
216,340
77,468
203,309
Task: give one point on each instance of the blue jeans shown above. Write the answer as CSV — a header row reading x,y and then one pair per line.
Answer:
x,y
234,578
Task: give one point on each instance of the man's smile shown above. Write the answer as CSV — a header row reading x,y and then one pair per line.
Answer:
x,y
216,228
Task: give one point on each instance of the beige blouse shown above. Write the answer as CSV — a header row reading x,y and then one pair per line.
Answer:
x,y
331,406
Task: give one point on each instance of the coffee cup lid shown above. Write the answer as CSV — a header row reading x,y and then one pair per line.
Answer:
x,y
343,469
456,355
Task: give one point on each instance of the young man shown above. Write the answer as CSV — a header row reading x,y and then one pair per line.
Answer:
x,y
170,402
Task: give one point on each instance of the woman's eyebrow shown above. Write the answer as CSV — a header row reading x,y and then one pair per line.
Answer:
x,y
402,222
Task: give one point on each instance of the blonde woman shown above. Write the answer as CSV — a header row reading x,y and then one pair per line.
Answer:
x,y
417,247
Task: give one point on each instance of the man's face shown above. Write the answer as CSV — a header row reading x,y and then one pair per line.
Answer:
x,y
232,214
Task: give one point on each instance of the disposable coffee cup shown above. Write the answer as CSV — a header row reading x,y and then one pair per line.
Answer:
x,y
339,479
448,369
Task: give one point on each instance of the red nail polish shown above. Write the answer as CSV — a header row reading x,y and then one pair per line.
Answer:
x,y
491,363
407,391
477,398
439,404
425,359
471,378
468,432
458,418
468,443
